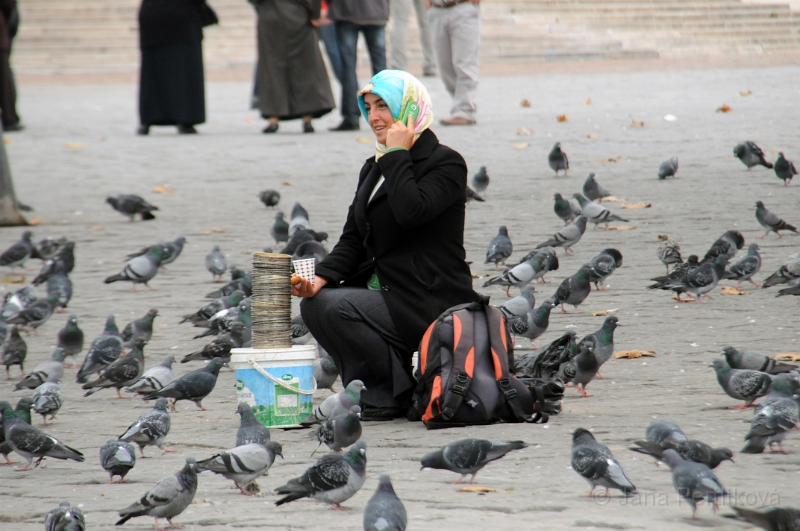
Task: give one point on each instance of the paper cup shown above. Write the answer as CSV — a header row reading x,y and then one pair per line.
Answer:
x,y
305,268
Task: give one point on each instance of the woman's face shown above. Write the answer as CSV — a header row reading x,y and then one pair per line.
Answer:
x,y
379,116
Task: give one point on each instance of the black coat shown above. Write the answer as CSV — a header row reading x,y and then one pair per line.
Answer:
x,y
167,22
411,234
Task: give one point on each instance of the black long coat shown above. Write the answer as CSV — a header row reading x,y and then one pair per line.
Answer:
x,y
166,22
411,234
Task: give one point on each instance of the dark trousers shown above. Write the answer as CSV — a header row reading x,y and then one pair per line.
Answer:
x,y
355,327
328,36
347,39
8,91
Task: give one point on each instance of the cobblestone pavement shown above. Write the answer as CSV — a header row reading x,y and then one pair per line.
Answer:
x,y
79,147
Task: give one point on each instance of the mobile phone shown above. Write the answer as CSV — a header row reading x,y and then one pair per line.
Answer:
x,y
412,109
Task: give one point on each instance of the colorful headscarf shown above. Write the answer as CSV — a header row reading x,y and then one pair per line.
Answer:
x,y
398,88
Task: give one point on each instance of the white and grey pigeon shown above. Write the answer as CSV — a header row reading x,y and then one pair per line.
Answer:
x,y
117,458
602,266
18,301
36,313
385,511
150,429
669,252
533,323
750,155
333,479
168,498
65,517
787,273
748,360
500,248
139,328
519,305
469,456
596,464
596,213
216,264
250,430
48,398
154,378
771,222
745,385
336,405
325,370
668,168
243,464
299,219
139,270
693,482
557,159
16,255
39,375
745,268
339,432
568,236
593,190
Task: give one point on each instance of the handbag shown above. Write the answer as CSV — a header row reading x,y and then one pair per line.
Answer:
x,y
207,15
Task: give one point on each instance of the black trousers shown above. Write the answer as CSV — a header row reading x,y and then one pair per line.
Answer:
x,y
355,327
8,91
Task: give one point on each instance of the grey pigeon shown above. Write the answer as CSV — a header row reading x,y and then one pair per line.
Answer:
x,y
243,464
117,458
65,517
141,328
63,262
557,159
789,272
499,248
333,479
70,338
270,198
771,519
771,424
385,511
221,346
469,456
574,290
596,464
29,442
784,169
677,273
593,190
124,371
693,482
18,301
669,252
139,270
168,498
668,168
750,155
16,255
602,266
603,341
200,317
793,289
169,251
771,222
150,429
222,321
566,209
299,219
726,246
14,351
38,376
339,432
23,412
545,261
279,229
131,205
48,398
701,280
568,236
300,332
216,264
325,370
250,430
194,386
36,314
519,305
533,323
302,236
46,248
104,349
747,360
660,431
663,436
480,181
596,213
154,378
336,405
310,250
522,274
60,286
746,385
581,369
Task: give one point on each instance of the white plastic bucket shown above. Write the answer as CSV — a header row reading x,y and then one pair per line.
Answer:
x,y
278,383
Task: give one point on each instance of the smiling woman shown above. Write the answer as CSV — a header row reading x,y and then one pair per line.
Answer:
x,y
400,260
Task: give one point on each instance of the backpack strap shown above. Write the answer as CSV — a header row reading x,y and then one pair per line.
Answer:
x,y
463,361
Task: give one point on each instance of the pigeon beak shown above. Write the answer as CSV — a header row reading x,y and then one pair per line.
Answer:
x,y
364,388
731,460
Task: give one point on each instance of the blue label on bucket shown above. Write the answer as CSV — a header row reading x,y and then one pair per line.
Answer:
x,y
274,405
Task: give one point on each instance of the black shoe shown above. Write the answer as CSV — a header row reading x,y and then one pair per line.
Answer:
x,y
346,125
382,413
143,130
307,127
10,128
184,129
271,128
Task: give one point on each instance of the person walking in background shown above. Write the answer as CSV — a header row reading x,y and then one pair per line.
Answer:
x,y
171,85
456,29
292,78
8,91
398,36
352,17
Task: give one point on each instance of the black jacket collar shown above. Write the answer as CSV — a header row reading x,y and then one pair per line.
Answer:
x,y
421,149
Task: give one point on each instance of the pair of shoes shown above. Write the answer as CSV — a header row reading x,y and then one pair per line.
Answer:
x,y
184,129
457,120
143,130
382,413
271,128
346,125
10,128
307,127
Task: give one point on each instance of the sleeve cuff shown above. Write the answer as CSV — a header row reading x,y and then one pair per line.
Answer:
x,y
398,148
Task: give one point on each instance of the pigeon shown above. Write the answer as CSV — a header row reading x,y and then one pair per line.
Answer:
x,y
574,290
385,511
499,248
122,372
788,272
753,361
270,198
237,273
299,219
693,482
150,429
595,212
325,370
243,464
70,338
29,442
472,195
771,424
566,209
668,168
333,479
300,332
169,251
14,303
23,412
581,369
194,386
771,222
216,264
533,323
36,314
726,245
669,252
221,346
480,181
690,450
168,498
103,351
62,262
602,266
593,190
660,432
46,248
222,321
154,378
596,464
47,398
539,264
603,341
336,405
701,280
131,205
469,456
140,270
60,286
750,155
117,458
250,430
139,329
14,351
746,385
200,317
568,236
519,305
546,261
677,273
557,159
794,289
771,519
65,517
16,255
302,236
340,432
745,268
280,229
38,376
784,169
310,250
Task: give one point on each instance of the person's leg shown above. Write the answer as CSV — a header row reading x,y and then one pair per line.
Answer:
x,y
441,44
425,39
375,38
328,34
398,33
465,31
347,39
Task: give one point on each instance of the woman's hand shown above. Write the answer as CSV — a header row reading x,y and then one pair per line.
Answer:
x,y
401,135
316,22
306,289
